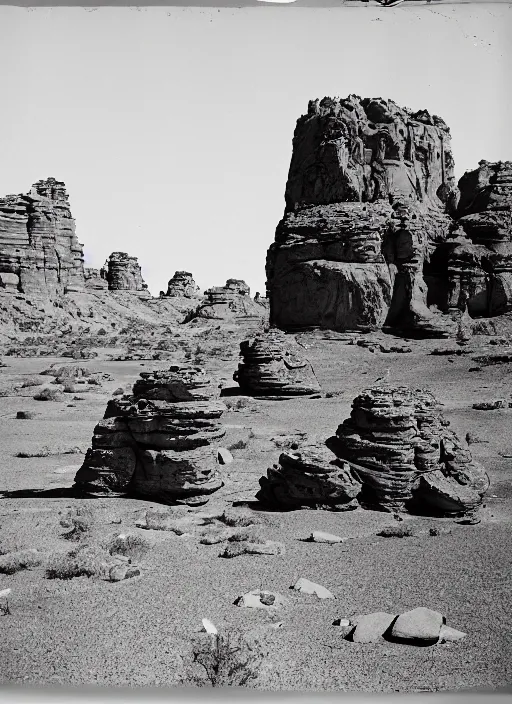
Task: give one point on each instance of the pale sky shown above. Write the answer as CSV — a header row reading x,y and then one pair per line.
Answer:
x,y
172,127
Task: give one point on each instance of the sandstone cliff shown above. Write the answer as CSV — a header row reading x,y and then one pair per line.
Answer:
x,y
39,251
369,195
123,273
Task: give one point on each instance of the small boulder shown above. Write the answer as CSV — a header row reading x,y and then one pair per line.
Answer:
x,y
258,599
125,571
370,628
26,415
306,587
420,624
224,456
450,635
319,536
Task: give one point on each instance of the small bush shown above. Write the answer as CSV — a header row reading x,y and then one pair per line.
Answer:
x,y
246,536
48,395
227,659
32,381
238,445
396,532
13,562
238,518
132,546
84,561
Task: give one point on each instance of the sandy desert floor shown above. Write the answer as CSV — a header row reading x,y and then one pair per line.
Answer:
x,y
134,632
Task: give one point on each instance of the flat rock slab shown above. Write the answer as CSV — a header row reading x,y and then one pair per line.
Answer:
x,y
370,628
319,536
306,587
420,624
450,635
258,599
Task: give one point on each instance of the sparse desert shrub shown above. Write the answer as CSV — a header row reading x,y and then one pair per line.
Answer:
x,y
228,659
47,394
32,381
46,452
238,445
83,561
13,562
238,518
396,532
246,536
78,521
236,405
132,546
246,547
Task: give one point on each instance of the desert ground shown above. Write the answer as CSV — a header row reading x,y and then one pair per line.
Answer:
x,y
138,631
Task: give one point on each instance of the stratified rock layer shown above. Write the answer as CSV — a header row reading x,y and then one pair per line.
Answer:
x,y
123,273
368,196
480,258
312,476
182,284
155,442
39,252
272,367
231,302
404,453
396,452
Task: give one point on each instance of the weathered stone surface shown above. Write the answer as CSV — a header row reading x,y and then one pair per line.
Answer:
x,y
369,195
95,279
404,453
272,366
307,587
155,442
312,476
231,302
182,284
39,252
450,635
123,273
420,624
370,628
258,599
480,257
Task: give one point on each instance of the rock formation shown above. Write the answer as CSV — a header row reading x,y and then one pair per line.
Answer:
x,y
404,453
368,196
231,302
39,251
272,367
313,477
480,256
182,284
397,453
95,279
155,442
123,273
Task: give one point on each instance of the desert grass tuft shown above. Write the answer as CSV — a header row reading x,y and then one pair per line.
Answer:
x,y
13,562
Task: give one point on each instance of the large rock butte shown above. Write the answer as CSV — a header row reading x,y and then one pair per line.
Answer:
x,y
369,235
231,302
182,284
272,367
123,273
155,442
39,252
396,453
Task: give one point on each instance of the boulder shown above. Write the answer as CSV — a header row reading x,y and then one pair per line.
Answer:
x,y
319,536
306,587
258,599
370,628
123,273
224,456
420,624
450,635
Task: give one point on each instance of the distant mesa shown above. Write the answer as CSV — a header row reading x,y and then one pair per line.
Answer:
x,y
377,234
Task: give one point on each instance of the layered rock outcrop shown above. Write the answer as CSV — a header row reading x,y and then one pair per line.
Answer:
x,y
479,259
95,279
155,442
232,302
272,367
397,453
39,252
123,273
369,195
183,285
